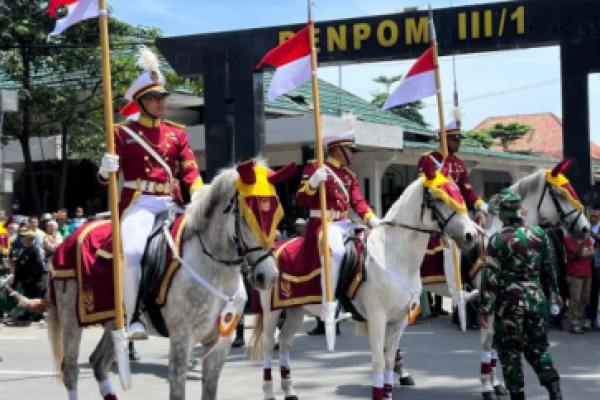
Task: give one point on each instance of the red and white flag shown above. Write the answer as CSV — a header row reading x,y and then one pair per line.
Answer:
x,y
292,60
417,84
77,11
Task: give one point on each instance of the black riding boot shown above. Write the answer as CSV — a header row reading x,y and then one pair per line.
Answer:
x,y
517,395
319,329
239,336
554,390
133,354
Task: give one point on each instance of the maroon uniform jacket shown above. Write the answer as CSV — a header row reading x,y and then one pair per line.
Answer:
x,y
170,141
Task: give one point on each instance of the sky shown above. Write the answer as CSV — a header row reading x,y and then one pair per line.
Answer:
x,y
489,84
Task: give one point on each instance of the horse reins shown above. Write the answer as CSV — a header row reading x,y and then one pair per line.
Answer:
x,y
242,248
437,216
562,214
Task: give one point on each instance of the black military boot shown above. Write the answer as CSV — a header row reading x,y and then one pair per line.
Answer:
x,y
133,354
554,390
517,395
239,337
319,329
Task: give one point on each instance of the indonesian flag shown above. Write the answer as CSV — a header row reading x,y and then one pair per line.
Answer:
x,y
292,60
418,83
77,11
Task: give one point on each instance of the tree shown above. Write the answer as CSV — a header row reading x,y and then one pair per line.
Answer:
x,y
61,84
478,138
508,133
410,111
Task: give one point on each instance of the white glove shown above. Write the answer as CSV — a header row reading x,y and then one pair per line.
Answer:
x,y
108,164
320,175
484,208
374,222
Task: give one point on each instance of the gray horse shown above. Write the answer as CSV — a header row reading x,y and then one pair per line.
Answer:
x,y
219,233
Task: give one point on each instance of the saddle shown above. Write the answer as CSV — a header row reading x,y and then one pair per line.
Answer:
x,y
154,265
353,270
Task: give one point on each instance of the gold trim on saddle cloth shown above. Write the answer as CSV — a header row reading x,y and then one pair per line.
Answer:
x,y
434,279
476,267
164,286
277,302
359,277
84,298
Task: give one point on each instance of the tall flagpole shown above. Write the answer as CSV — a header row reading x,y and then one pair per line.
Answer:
x,y
119,336
444,150
329,311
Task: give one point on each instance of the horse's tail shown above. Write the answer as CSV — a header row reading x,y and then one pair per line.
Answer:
x,y
256,341
55,335
361,329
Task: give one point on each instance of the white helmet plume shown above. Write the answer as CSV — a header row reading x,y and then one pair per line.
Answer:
x,y
351,120
457,113
147,60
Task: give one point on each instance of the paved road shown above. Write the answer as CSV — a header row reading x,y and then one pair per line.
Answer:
x,y
443,361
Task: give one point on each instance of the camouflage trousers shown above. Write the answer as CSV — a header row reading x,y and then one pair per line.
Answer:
x,y
520,328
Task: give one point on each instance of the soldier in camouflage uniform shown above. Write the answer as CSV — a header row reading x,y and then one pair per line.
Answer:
x,y
516,270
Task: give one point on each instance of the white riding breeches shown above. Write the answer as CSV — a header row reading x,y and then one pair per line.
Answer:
x,y
135,229
335,233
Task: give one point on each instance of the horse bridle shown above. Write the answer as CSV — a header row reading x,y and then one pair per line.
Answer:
x,y
561,212
428,203
242,248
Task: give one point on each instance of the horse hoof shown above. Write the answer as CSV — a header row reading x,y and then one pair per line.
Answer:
x,y
489,396
110,397
500,390
294,397
407,381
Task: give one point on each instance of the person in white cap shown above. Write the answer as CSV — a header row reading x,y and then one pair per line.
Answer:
x,y
342,193
148,150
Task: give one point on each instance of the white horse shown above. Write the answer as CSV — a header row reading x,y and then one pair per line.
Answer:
x,y
216,239
395,251
542,198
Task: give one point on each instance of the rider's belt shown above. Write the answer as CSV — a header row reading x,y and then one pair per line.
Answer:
x,y
332,215
150,187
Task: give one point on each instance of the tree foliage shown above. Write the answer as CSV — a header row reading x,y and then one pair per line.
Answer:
x,y
508,133
410,111
478,138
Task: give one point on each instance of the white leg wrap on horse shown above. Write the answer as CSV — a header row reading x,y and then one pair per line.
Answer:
x,y
449,271
378,379
284,360
486,370
72,394
388,384
106,388
267,362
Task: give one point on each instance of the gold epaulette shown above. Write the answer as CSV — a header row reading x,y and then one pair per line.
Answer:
x,y
175,124
123,123
313,161
348,170
426,153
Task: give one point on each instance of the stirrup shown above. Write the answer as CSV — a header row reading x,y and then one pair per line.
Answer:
x,y
137,331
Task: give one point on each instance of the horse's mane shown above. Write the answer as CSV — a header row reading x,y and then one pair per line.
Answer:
x,y
400,204
210,196
529,184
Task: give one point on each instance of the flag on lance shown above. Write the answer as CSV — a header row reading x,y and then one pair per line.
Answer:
x,y
77,11
418,83
292,62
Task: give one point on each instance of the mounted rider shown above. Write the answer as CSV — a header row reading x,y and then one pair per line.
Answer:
x,y
342,193
151,150
458,172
